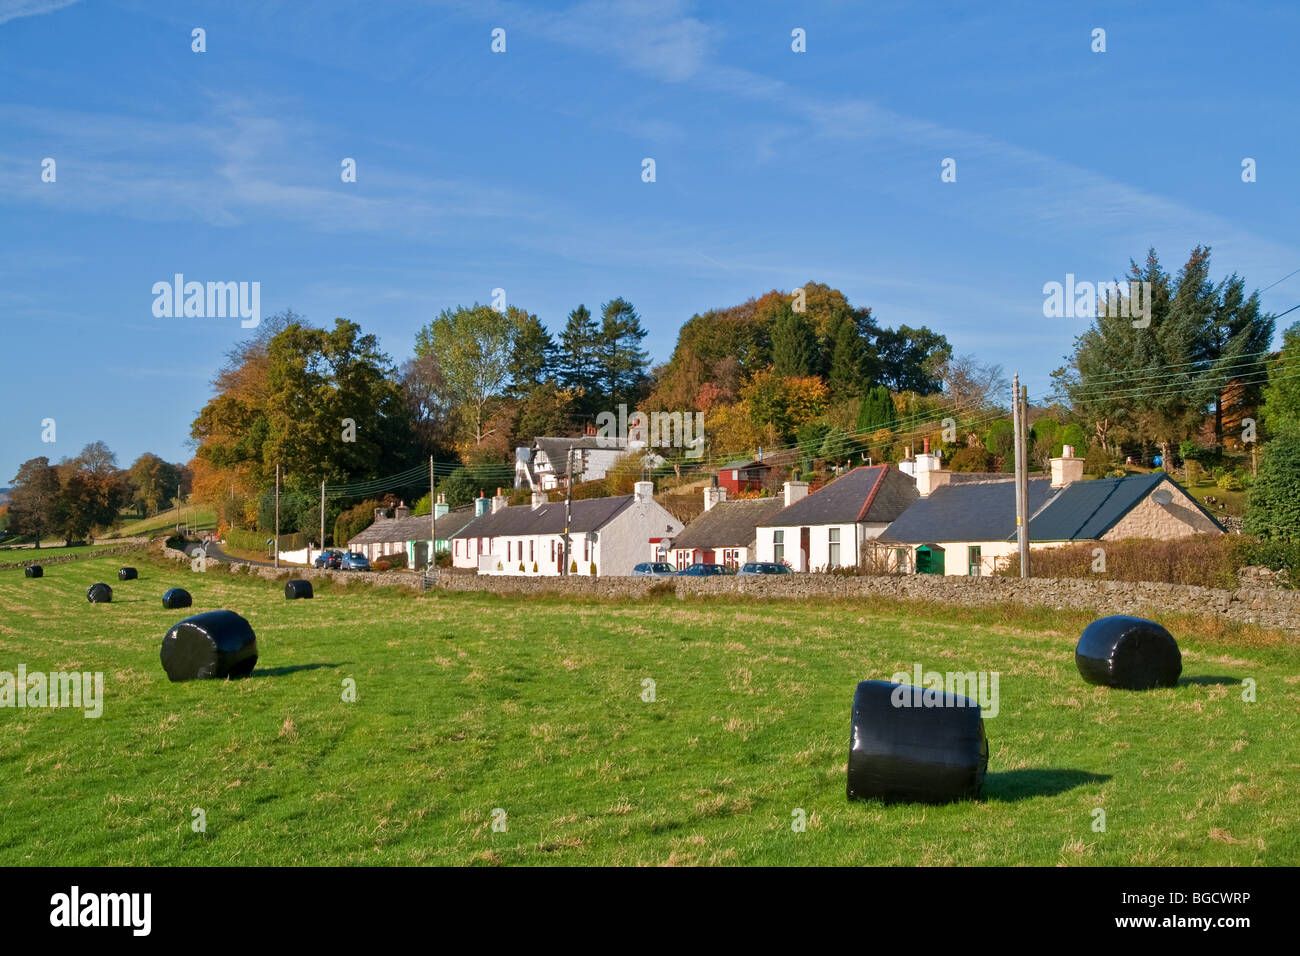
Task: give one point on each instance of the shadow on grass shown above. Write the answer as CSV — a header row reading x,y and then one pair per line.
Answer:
x,y
282,671
1012,785
1208,680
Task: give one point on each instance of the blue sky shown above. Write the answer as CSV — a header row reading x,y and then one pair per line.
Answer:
x,y
522,170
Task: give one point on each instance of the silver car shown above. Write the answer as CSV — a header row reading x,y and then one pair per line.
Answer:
x,y
757,568
654,569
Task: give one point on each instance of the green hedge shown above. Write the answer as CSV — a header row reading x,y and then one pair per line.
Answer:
x,y
256,540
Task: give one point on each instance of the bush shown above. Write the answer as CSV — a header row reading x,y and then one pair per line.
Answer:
x,y
1097,462
1230,482
573,567
1273,506
971,459
1204,560
396,560
382,565
534,567
593,569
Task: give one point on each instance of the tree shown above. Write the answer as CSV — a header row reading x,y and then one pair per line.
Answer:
x,y
152,482
1281,405
92,492
876,411
623,363
34,499
334,411
911,359
425,395
1273,502
794,345
848,368
473,347
784,402
532,352
576,359
1236,343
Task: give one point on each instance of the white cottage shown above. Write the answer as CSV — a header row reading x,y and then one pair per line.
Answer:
x,y
611,535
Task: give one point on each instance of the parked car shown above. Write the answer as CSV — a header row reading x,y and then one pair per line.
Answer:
x,y
355,561
653,569
702,570
329,558
754,568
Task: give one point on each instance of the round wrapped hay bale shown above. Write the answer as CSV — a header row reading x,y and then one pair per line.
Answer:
x,y
127,574
99,594
916,745
1130,653
297,589
33,571
177,597
211,645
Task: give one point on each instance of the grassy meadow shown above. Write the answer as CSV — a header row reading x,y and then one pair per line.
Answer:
x,y
472,709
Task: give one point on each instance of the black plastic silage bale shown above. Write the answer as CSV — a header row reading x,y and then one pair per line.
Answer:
x,y
99,593
34,571
127,574
910,744
211,645
177,597
1130,653
297,589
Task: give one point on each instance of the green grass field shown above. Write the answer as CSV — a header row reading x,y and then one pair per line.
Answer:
x,y
200,519
28,555
468,704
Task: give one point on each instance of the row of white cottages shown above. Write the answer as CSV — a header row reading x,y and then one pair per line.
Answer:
x,y
913,517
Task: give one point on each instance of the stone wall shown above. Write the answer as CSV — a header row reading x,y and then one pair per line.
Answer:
x,y
1263,604
1268,607
36,557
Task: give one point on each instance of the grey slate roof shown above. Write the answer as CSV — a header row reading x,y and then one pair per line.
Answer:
x,y
968,511
590,514
1086,510
414,527
729,524
875,493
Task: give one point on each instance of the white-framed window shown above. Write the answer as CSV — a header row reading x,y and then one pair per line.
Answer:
x,y
833,547
778,546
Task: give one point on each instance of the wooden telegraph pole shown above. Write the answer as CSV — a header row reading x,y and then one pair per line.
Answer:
x,y
1019,414
277,514
568,509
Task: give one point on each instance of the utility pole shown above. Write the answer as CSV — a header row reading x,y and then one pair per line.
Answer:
x,y
433,522
1022,476
568,508
322,515
277,514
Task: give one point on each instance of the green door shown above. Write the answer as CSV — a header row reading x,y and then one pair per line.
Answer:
x,y
929,559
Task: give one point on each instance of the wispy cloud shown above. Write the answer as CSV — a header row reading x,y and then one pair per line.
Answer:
x,y
13,9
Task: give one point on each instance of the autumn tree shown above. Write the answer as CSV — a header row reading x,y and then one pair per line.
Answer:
x,y
34,499
473,346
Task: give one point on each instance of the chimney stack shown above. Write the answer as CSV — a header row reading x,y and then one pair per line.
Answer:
x,y
539,499
499,502
401,511
795,491
714,494
1067,468
645,490
381,513
480,504
440,508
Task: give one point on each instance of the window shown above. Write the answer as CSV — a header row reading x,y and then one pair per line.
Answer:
x,y
833,547
973,560
778,546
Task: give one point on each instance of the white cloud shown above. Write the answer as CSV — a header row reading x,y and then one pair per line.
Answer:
x,y
13,9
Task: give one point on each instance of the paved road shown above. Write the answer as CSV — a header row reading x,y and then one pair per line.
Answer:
x,y
214,551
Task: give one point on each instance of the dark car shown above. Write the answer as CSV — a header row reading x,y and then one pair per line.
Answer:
x,y
653,569
329,558
702,570
355,561
755,568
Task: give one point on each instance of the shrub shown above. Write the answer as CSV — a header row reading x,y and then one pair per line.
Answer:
x,y
1097,462
593,569
573,567
1273,509
971,459
382,565
1202,560
397,559
1116,473
1230,482
534,567
521,565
